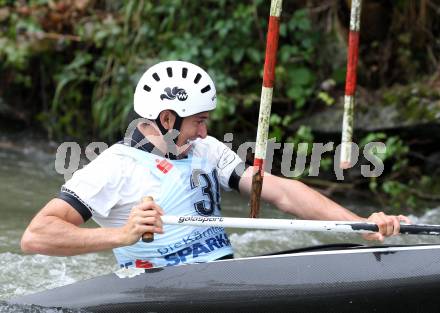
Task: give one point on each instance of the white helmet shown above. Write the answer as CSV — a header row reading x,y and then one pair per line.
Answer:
x,y
180,86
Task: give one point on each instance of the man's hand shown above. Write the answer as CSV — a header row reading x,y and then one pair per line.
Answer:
x,y
144,217
389,225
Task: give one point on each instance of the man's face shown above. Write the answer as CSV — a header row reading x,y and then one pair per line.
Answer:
x,y
193,127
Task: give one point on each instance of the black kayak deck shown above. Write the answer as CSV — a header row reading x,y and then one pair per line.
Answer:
x,y
357,279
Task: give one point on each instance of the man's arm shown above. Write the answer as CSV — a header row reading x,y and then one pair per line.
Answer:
x,y
55,230
294,197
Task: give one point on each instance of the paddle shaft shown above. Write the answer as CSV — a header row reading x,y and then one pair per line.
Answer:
x,y
265,104
299,225
147,237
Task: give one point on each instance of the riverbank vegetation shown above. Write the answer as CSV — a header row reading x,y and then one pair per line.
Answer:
x,y
69,68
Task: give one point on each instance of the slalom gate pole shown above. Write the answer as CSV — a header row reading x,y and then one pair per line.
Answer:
x,y
350,84
265,105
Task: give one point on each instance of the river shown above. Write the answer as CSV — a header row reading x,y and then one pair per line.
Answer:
x,y
28,180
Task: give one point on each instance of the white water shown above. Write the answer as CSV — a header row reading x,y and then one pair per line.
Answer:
x,y
28,181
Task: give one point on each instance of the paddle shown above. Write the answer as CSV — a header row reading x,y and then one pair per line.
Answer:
x,y
304,225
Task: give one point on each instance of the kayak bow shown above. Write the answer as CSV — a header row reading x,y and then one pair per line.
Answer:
x,y
358,279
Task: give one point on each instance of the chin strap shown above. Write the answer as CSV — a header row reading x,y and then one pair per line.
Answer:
x,y
171,146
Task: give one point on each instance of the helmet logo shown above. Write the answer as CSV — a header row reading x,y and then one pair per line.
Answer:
x,y
169,94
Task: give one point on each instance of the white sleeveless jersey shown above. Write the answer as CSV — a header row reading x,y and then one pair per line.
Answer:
x,y
121,176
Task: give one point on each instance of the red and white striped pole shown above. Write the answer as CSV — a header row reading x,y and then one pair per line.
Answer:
x,y
350,83
265,104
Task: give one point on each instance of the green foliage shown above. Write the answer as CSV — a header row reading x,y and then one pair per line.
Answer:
x,y
399,180
326,98
14,52
124,38
303,143
93,84
296,77
415,102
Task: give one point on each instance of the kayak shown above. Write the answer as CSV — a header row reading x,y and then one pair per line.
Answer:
x,y
330,278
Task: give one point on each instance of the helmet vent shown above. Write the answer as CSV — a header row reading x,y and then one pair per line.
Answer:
x,y
156,77
147,88
170,72
205,89
184,72
197,79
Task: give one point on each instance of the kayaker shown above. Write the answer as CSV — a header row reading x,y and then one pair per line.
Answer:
x,y
170,157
